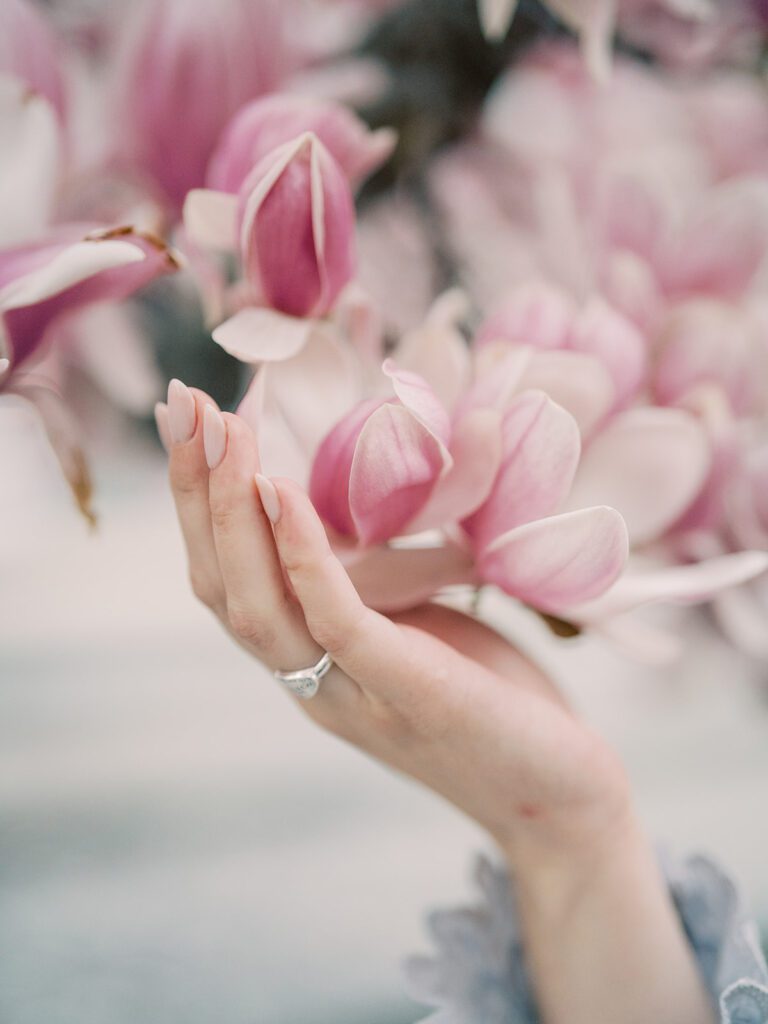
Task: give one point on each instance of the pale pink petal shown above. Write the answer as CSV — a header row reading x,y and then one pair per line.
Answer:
x,y
601,332
718,251
416,395
553,563
536,314
476,451
257,335
577,382
29,169
396,464
210,218
315,389
743,616
650,464
685,584
395,579
540,453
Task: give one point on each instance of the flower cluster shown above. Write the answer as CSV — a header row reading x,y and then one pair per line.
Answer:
x,y
591,398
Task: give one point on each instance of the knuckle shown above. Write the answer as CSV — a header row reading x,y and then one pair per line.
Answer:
x,y
249,627
339,637
222,514
185,478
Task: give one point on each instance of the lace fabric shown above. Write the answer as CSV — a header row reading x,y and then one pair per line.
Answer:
x,y
478,975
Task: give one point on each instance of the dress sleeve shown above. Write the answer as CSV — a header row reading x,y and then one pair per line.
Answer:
x,y
478,975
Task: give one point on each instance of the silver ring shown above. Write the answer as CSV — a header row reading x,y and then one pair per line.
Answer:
x,y
305,682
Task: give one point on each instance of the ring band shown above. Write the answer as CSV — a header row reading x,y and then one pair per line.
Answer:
x,y
305,682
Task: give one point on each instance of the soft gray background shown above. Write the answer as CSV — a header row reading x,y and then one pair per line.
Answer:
x,y
177,843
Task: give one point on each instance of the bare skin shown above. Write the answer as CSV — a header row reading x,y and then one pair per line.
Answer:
x,y
456,707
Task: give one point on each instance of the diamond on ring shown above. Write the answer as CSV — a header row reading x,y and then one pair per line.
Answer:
x,y
305,682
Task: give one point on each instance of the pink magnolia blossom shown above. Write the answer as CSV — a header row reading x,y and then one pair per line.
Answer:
x,y
185,70
71,268
30,51
43,285
427,449
295,220
265,124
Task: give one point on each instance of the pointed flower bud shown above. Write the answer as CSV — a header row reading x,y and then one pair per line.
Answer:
x,y
297,229
267,123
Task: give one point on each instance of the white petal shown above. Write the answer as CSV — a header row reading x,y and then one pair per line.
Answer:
x,y
259,335
210,218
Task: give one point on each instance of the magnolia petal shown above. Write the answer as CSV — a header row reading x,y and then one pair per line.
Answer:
x,y
496,17
476,452
210,218
396,464
648,463
540,453
315,389
742,617
601,332
684,584
416,394
554,563
439,354
329,485
395,579
536,313
64,437
579,383
257,335
67,268
30,140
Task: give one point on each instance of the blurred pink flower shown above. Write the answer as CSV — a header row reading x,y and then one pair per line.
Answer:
x,y
267,123
30,51
295,221
43,286
185,70
70,268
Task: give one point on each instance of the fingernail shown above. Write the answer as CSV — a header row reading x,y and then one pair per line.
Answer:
x,y
181,412
163,430
270,499
214,437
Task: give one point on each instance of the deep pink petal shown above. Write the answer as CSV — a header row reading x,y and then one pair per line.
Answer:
x,y
43,282
329,485
555,562
396,464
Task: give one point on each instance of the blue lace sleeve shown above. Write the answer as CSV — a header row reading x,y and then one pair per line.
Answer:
x,y
478,974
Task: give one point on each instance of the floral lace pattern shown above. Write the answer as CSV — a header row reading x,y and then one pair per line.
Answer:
x,y
478,975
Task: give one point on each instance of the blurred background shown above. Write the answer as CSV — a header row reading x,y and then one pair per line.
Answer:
x,y
177,842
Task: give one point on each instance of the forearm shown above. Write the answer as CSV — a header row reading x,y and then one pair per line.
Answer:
x,y
603,940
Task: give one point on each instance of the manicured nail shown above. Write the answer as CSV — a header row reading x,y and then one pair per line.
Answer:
x,y
270,499
214,436
163,430
181,412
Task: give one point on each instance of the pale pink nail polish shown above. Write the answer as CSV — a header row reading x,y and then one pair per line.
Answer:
x,y
163,431
270,499
181,412
214,436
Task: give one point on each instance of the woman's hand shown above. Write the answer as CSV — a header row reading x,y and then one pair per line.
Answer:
x,y
432,692
447,701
